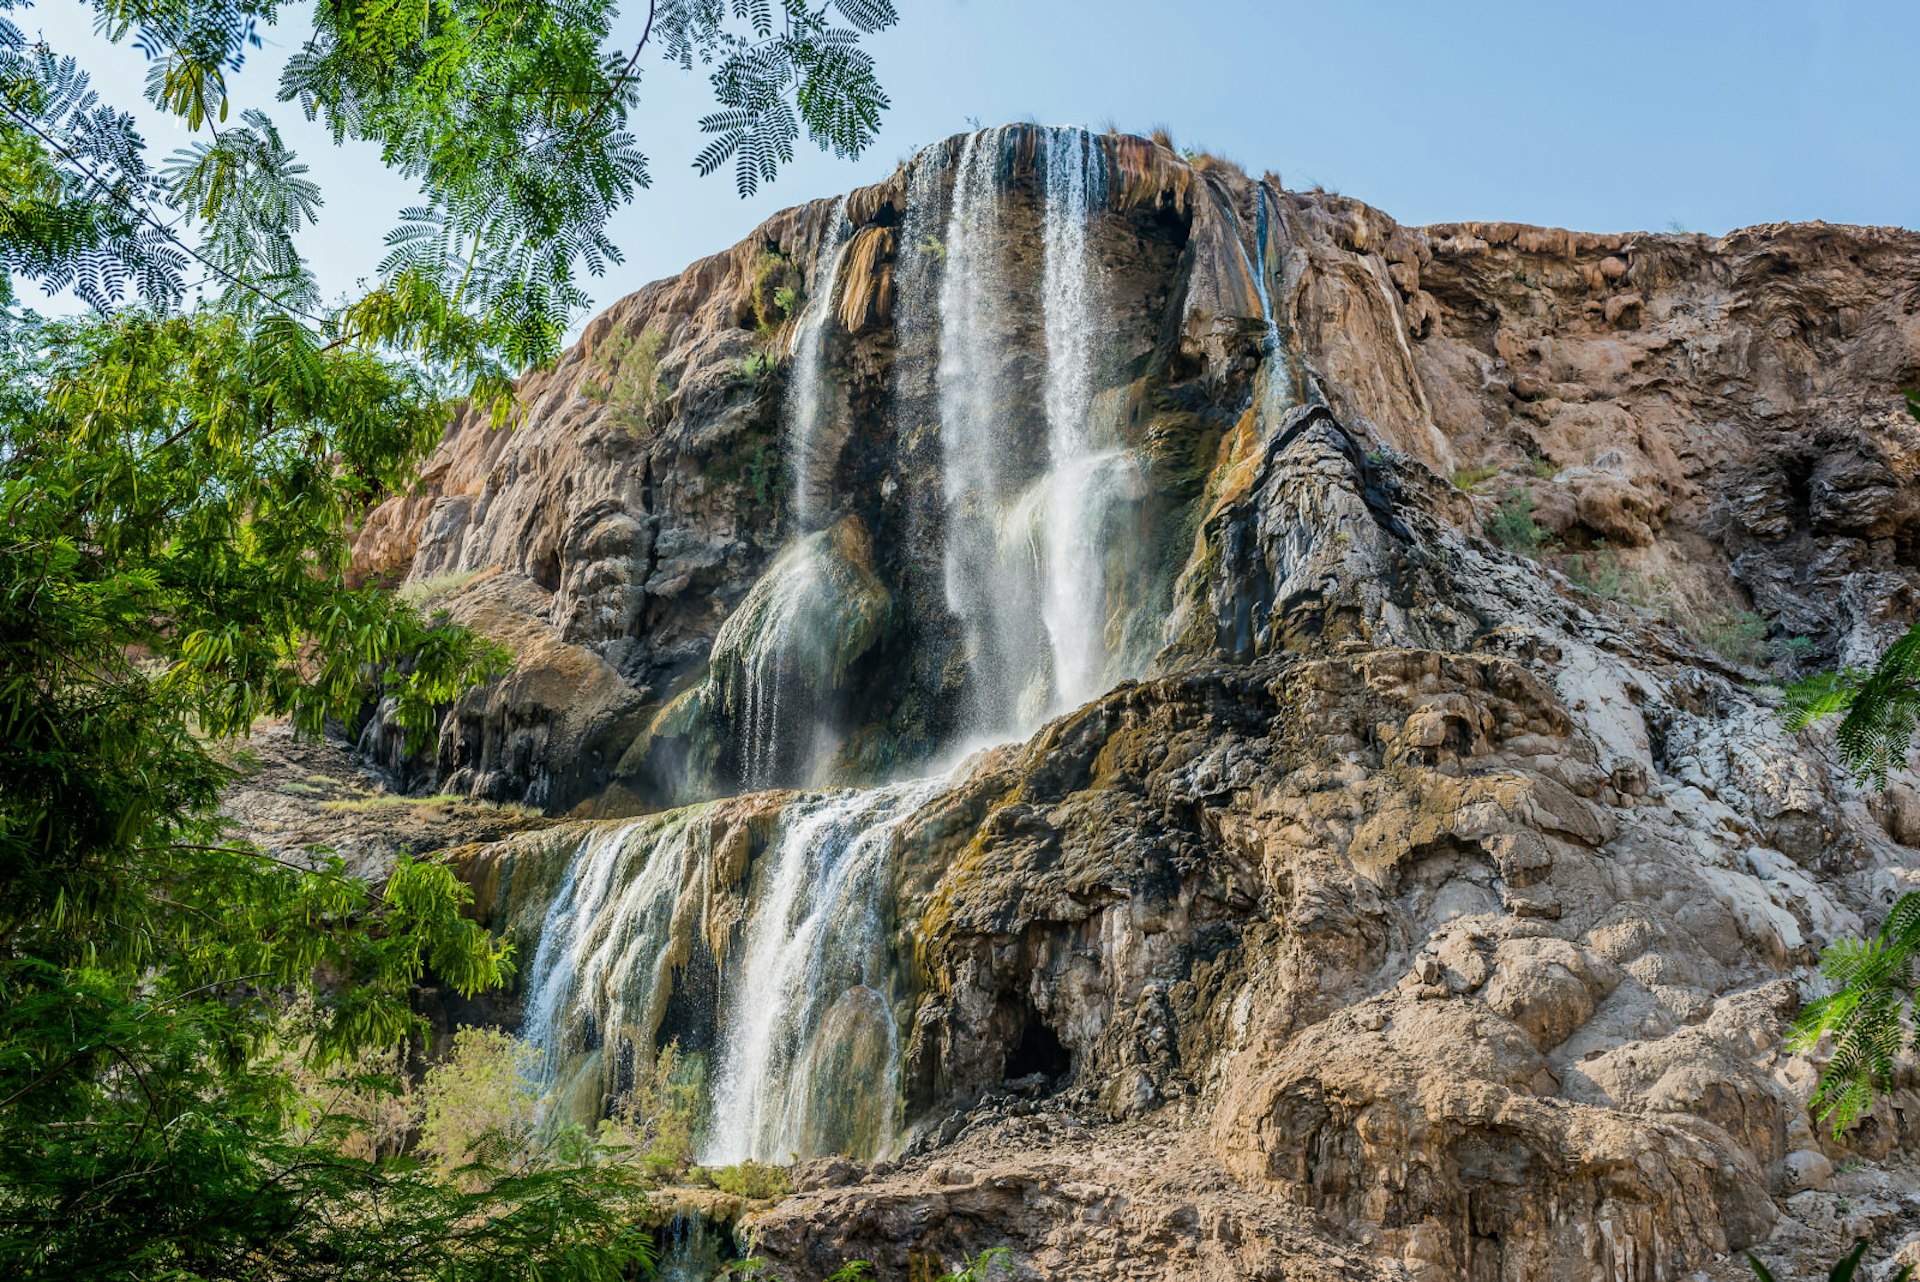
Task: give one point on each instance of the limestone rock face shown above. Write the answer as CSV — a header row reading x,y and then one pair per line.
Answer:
x,y
1427,908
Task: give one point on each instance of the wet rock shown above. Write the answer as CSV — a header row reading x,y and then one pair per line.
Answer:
x,y
1425,910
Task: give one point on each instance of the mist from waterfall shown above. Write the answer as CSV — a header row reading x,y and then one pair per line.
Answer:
x,y
806,402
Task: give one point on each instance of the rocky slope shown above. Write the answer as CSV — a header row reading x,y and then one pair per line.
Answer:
x,y
1418,906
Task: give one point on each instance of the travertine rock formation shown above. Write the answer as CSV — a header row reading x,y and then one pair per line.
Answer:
x,y
1426,908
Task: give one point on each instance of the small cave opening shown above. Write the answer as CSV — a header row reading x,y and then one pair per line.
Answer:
x,y
1038,1051
1798,471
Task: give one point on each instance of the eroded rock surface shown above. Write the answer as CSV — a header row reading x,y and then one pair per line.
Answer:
x,y
1426,909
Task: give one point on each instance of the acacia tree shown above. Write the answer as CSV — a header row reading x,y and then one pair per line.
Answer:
x,y
1868,1016
177,483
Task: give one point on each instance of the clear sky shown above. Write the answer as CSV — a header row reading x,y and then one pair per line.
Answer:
x,y
1635,114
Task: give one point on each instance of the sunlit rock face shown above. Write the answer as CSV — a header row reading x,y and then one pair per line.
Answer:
x,y
1120,783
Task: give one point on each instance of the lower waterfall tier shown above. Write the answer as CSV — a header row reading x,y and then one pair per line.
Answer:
x,y
760,935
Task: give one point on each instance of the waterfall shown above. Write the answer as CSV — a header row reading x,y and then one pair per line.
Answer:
x,y
809,1060
782,661
1273,393
1029,522
1074,608
692,1250
759,641
995,598
603,968
1038,501
807,1045
806,405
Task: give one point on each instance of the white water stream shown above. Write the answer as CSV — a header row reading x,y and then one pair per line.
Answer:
x,y
810,1056
807,406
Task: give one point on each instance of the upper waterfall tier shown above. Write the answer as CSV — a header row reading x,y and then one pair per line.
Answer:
x,y
1010,383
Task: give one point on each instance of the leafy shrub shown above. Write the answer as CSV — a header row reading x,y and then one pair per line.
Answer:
x,y
658,1122
754,1181
1738,636
1600,573
1791,651
634,389
981,1268
480,1109
420,593
1544,468
1513,526
771,279
364,1105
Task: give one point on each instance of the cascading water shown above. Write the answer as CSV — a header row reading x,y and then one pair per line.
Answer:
x,y
806,1007
1080,483
810,1057
1028,530
602,970
806,406
784,655
994,596
1273,383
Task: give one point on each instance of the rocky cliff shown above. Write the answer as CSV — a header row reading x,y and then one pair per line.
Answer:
x,y
1386,861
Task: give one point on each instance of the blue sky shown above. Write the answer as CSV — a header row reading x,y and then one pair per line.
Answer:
x,y
1622,116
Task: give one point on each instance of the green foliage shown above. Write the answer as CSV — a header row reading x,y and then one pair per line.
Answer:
x,y
1738,636
420,593
1845,1269
982,1267
514,120
753,367
1792,650
1601,573
635,389
658,1122
801,71
773,293
480,1109
1467,478
1865,1016
1879,710
1513,526
754,1181
1544,468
